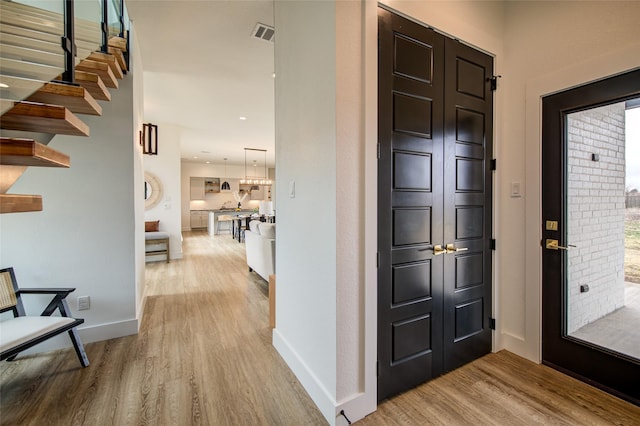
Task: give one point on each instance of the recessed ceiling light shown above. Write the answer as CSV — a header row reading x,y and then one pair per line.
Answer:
x,y
208,162
4,86
195,157
243,118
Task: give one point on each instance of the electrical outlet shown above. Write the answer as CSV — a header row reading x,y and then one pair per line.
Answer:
x,y
84,303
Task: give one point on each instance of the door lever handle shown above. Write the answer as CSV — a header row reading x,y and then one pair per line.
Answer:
x,y
553,245
438,250
452,248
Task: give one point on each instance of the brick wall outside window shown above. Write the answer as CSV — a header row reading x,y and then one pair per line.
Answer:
x,y
596,204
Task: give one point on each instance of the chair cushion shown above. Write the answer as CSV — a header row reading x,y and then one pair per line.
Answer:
x,y
254,226
152,226
267,230
155,235
18,330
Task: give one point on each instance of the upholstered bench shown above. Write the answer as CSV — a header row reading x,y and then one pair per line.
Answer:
x,y
157,243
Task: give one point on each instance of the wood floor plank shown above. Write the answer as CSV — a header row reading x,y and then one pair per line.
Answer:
x,y
203,356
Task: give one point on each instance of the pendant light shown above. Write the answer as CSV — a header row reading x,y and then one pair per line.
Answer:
x,y
225,185
253,180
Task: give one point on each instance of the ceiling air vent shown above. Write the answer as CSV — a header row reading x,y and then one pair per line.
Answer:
x,y
264,32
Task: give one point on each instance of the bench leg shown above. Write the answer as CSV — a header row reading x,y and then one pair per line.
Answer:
x,y
168,251
77,345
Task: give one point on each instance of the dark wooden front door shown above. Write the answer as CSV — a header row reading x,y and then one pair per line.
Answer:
x,y
567,267
434,204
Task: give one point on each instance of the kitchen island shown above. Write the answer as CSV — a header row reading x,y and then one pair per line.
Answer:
x,y
214,214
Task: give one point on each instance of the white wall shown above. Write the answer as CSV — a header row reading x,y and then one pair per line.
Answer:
x,y
166,167
87,235
136,74
305,93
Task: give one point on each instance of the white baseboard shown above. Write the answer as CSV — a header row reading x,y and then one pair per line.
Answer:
x,y
87,335
515,344
316,390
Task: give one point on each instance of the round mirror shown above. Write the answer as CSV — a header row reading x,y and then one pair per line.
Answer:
x,y
148,190
152,190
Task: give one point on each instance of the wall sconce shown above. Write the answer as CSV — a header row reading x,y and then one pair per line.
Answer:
x,y
149,139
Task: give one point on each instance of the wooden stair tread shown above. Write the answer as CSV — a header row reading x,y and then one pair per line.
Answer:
x,y
100,68
93,83
16,89
15,203
108,59
30,70
43,118
119,42
31,55
30,34
27,152
30,43
117,53
49,24
34,11
77,99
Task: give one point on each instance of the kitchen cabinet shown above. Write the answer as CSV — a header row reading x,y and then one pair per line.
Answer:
x,y
200,186
211,185
199,219
197,188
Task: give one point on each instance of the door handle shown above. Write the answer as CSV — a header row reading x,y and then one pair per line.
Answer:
x,y
452,248
553,245
438,250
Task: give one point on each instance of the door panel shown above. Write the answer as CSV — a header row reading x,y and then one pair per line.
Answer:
x,y
410,204
433,308
468,142
580,256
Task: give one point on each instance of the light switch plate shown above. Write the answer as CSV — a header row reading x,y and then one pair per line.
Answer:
x,y
292,189
84,303
516,190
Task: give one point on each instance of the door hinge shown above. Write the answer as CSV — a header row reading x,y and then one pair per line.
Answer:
x,y
492,244
494,82
492,323
378,151
377,259
493,164
377,368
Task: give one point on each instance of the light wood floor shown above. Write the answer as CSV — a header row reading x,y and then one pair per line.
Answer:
x,y
204,357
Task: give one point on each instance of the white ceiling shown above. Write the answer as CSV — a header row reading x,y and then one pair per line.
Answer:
x,y
203,71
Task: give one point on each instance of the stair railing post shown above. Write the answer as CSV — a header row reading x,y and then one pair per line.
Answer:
x,y
121,18
105,26
68,43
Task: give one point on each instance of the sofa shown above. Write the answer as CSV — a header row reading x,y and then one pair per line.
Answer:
x,y
260,244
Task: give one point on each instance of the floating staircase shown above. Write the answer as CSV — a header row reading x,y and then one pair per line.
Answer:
x,y
33,100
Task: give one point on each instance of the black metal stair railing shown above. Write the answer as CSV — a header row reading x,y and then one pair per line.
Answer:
x,y
68,40
68,43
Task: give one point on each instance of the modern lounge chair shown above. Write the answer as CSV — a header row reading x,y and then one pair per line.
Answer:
x,y
24,331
